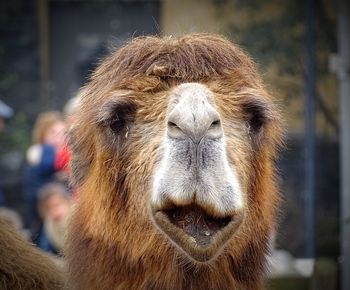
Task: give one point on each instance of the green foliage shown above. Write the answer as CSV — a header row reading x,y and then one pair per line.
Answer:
x,y
17,135
18,71
273,33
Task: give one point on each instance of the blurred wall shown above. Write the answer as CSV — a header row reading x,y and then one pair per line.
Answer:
x,y
183,16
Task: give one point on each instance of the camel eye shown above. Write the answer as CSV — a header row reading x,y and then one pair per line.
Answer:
x,y
256,119
116,117
256,114
117,124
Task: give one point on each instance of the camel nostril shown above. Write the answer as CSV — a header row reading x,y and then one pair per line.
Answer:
x,y
175,131
173,125
215,130
215,123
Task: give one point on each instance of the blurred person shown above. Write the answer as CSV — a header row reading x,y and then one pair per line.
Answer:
x,y
5,113
54,207
48,139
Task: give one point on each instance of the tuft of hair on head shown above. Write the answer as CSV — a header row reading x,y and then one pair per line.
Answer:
x,y
190,58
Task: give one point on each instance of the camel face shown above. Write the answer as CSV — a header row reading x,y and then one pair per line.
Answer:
x,y
197,199
173,159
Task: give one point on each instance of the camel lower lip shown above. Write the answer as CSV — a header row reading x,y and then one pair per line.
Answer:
x,y
195,232
195,222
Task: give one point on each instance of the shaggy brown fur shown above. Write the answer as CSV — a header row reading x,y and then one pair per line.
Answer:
x,y
116,137
24,267
113,243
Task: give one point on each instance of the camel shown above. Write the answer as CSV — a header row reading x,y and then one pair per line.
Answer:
x,y
173,158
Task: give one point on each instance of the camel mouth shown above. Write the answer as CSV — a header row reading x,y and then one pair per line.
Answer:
x,y
197,233
197,223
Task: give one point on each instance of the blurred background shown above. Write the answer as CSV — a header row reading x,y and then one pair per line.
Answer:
x,y
48,48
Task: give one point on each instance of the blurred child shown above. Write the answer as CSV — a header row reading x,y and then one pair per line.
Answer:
x,y
54,207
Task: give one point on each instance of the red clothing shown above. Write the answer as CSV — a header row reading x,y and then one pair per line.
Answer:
x,y
62,159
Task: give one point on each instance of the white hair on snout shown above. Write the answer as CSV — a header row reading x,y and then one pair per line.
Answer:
x,y
185,176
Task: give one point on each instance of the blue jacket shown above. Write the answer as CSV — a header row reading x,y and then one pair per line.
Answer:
x,y
37,175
